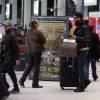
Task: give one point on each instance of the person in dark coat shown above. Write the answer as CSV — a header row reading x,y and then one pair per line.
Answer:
x,y
93,55
83,39
9,56
35,46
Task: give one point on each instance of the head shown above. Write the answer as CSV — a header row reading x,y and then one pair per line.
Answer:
x,y
8,26
34,24
78,16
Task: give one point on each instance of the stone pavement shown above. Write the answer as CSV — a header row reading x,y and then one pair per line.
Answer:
x,y
52,91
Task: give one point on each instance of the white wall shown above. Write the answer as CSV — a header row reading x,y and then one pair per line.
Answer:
x,y
27,12
14,11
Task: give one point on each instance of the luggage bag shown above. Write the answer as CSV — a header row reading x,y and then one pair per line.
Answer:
x,y
68,77
68,49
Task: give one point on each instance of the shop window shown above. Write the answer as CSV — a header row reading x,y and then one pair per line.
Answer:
x,y
8,11
36,7
50,7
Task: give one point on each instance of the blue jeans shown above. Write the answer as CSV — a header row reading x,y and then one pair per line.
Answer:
x,y
34,63
78,65
93,66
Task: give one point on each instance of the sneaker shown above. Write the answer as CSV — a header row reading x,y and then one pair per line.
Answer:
x,y
21,83
37,86
7,85
15,91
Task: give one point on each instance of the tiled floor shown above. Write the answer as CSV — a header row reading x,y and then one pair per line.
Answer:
x,y
52,91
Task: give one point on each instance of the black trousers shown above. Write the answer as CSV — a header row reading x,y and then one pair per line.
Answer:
x,y
12,74
34,63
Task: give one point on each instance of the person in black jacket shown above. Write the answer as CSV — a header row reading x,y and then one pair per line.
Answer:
x,y
93,55
10,56
83,39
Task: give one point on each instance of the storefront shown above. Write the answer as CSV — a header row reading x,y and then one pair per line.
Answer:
x,y
42,8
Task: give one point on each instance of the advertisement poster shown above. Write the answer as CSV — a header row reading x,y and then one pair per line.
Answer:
x,y
53,29
98,26
92,21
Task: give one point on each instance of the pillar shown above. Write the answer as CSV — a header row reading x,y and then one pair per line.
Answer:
x,y
86,11
2,15
61,8
27,12
14,11
43,7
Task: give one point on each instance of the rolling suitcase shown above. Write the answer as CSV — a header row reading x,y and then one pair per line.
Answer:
x,y
68,78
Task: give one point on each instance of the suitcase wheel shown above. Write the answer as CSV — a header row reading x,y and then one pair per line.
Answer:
x,y
62,88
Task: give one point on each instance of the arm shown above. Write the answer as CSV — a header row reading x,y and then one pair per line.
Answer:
x,y
14,48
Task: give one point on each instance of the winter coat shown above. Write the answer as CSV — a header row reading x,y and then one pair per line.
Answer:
x,y
82,36
9,52
35,41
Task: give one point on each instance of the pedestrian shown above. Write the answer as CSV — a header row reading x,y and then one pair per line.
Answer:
x,y
93,55
9,56
35,45
82,33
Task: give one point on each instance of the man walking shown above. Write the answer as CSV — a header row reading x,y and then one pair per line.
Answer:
x,y
83,39
9,56
35,46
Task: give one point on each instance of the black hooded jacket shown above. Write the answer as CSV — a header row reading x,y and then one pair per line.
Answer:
x,y
9,52
11,45
83,36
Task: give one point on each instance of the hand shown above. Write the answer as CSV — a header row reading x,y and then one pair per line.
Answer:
x,y
17,62
74,37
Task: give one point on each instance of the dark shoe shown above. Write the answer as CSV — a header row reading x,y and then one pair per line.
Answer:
x,y
15,91
21,83
95,78
7,85
4,98
79,90
37,86
87,82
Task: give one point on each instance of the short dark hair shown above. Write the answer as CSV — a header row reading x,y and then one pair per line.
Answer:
x,y
79,14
